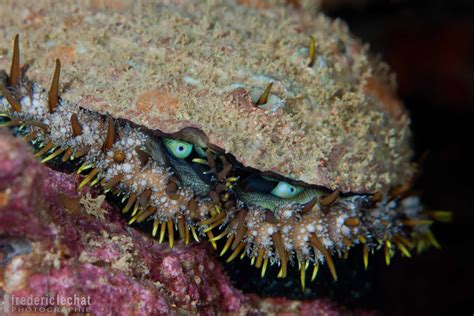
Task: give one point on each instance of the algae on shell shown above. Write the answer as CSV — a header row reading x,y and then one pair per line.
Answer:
x,y
169,65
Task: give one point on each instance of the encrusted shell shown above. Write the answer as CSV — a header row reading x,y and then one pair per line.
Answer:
x,y
179,64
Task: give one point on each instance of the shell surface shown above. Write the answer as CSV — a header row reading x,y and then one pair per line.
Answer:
x,y
168,66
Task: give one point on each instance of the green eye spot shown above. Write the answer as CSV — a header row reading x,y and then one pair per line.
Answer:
x,y
178,148
285,190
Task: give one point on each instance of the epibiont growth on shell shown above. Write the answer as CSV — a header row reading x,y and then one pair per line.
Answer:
x,y
190,189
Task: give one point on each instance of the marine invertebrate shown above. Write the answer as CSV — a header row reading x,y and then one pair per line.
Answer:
x,y
278,194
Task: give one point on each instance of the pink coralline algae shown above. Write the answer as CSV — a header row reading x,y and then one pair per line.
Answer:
x,y
58,243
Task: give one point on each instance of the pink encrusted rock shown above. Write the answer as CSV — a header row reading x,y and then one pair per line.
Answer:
x,y
96,254
20,200
51,247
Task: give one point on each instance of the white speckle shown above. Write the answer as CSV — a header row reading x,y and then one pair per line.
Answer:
x,y
127,168
345,230
340,220
81,50
191,81
287,214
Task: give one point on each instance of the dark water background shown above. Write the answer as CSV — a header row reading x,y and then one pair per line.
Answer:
x,y
430,45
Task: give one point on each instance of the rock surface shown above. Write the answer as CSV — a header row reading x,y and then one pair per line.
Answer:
x,y
50,245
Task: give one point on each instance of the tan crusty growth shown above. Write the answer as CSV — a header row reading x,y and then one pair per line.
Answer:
x,y
167,66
